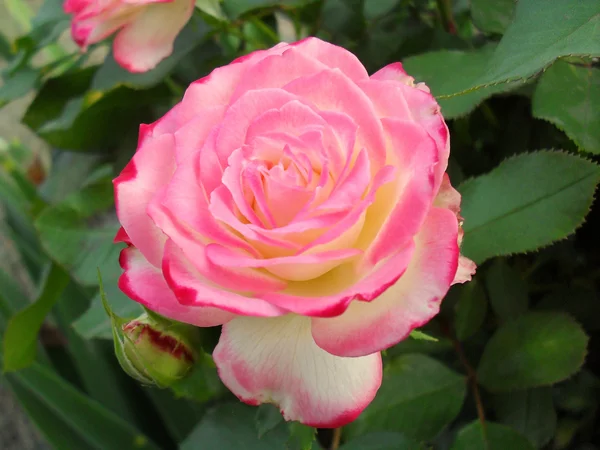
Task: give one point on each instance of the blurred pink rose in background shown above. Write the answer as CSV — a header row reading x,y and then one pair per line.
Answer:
x,y
304,206
145,29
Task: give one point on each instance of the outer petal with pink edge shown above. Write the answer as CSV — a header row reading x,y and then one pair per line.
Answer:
x,y
150,169
276,360
145,284
143,43
411,302
448,197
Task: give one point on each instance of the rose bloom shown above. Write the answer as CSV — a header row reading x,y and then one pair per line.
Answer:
x,y
145,29
304,206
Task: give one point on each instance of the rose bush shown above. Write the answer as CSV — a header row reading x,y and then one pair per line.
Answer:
x,y
146,29
303,205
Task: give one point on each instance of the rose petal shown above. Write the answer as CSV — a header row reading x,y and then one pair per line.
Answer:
x,y
409,303
401,208
149,170
192,289
276,71
300,267
331,90
121,236
399,101
195,251
293,118
330,294
448,197
192,136
276,361
145,284
332,56
91,26
242,113
149,38
466,269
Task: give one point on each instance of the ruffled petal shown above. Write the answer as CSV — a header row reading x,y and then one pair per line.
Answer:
x,y
409,303
235,279
193,289
145,284
277,361
242,113
331,90
398,100
276,71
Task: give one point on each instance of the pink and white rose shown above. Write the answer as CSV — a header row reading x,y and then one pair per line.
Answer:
x,y
303,205
145,29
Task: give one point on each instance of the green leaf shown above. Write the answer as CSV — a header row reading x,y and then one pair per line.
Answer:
x,y
383,440
49,22
537,349
426,346
527,202
18,85
267,418
80,166
69,116
301,437
20,12
94,323
111,75
470,309
419,335
507,291
568,95
466,68
212,8
492,17
53,428
530,412
418,397
491,436
55,405
21,332
230,426
91,357
67,235
542,31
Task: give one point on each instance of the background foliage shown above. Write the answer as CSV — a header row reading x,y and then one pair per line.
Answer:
x,y
513,360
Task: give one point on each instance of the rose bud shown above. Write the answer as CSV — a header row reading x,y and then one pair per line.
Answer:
x,y
156,352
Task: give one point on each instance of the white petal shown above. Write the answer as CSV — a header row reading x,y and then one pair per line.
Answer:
x,y
275,360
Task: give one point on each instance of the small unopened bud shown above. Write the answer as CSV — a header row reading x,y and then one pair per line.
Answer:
x,y
155,351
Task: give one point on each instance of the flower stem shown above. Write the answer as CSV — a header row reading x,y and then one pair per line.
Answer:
x,y
335,440
471,374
